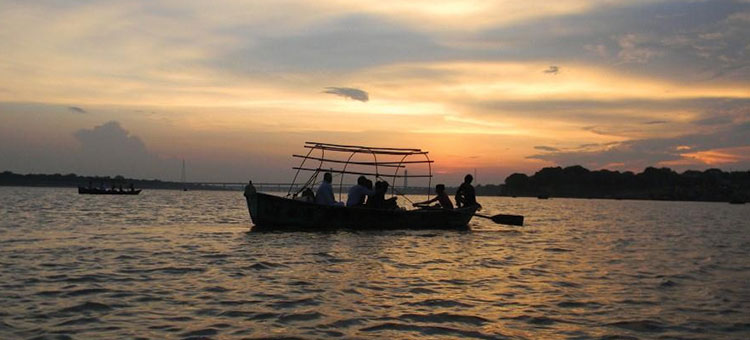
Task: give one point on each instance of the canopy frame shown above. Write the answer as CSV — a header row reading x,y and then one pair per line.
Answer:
x,y
353,150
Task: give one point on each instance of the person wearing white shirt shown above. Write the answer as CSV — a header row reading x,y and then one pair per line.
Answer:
x,y
325,191
358,192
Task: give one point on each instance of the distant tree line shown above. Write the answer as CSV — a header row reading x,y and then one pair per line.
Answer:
x,y
8,178
573,181
652,183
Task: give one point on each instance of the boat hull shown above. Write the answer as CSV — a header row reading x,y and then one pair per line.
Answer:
x,y
270,212
95,191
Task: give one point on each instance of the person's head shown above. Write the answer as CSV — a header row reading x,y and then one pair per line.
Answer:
x,y
327,177
308,193
440,188
361,180
381,186
368,184
468,178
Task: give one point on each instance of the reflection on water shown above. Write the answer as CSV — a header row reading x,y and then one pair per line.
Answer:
x,y
171,264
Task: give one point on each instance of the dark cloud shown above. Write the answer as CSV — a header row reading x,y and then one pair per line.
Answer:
x,y
628,114
718,120
348,42
110,149
648,152
660,39
546,148
554,70
76,109
348,92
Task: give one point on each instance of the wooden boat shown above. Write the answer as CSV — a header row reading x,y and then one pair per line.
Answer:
x,y
97,191
269,212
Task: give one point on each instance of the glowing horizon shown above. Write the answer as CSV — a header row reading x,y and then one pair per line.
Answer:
x,y
236,88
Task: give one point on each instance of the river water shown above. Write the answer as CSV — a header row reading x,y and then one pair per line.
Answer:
x,y
171,264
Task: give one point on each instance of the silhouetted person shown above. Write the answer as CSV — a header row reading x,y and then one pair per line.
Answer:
x,y
325,191
358,192
249,189
378,201
442,198
465,195
307,195
132,188
90,185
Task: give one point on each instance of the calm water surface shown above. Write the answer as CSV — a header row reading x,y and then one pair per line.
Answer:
x,y
169,264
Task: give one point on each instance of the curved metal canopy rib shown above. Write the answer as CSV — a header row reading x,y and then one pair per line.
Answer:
x,y
353,150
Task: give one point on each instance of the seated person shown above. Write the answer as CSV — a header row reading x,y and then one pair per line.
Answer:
x,y
358,192
378,201
465,195
307,195
442,198
325,191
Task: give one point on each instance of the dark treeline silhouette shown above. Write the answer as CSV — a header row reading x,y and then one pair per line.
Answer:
x,y
652,184
574,181
8,178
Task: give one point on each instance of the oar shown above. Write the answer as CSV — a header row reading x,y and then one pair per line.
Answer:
x,y
504,219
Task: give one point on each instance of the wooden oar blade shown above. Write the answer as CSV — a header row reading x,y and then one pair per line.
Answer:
x,y
508,219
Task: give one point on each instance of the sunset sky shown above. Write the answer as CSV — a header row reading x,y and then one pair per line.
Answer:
x,y
236,87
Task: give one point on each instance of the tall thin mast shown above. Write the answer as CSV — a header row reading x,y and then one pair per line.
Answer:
x,y
182,176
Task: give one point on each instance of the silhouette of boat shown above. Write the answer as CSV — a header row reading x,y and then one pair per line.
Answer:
x,y
737,201
269,212
97,191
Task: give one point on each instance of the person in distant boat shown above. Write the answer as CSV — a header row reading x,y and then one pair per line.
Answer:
x,y
249,189
465,195
378,201
325,191
358,192
132,188
442,198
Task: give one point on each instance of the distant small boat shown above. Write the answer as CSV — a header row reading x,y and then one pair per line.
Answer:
x,y
97,191
737,201
543,197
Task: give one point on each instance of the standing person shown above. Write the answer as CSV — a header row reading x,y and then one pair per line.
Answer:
x,y
358,192
442,198
465,195
249,189
325,191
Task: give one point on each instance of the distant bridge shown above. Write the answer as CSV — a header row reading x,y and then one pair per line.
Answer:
x,y
283,187
260,186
